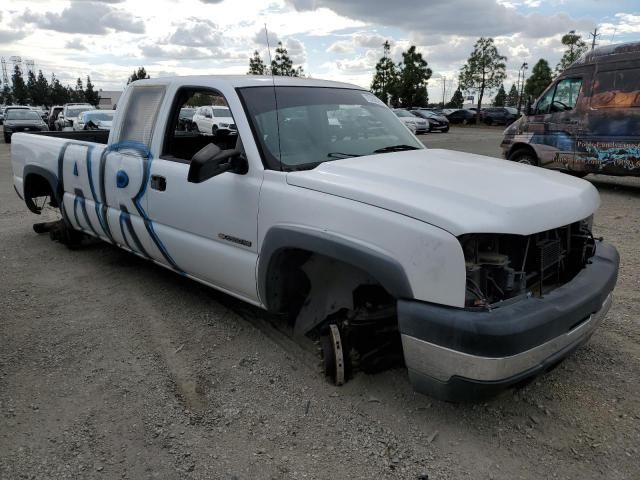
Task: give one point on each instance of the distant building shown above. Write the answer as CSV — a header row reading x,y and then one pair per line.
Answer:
x,y
108,99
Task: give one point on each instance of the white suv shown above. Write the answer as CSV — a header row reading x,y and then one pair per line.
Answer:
x,y
215,119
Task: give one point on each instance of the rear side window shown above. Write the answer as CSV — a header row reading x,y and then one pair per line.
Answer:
x,y
616,89
141,114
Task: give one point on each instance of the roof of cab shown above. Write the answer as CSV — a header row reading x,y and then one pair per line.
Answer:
x,y
249,81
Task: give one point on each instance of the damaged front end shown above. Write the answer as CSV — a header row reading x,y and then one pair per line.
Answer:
x,y
504,267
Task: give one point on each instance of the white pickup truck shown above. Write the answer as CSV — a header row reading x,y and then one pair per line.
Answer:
x,y
477,272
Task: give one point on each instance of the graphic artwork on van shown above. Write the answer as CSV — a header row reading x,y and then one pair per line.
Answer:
x,y
77,163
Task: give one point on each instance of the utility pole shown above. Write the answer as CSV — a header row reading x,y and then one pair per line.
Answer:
x,y
595,35
5,76
524,67
444,89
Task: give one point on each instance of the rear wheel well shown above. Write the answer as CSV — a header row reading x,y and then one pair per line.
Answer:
x,y
36,186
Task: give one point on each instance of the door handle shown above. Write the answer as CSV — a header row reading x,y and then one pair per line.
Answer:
x,y
158,183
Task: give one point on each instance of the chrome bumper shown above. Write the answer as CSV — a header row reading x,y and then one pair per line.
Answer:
x,y
442,364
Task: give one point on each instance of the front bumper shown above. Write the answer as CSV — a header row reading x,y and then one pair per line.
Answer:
x,y
458,354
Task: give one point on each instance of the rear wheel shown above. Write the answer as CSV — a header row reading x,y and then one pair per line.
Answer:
x,y
7,138
524,156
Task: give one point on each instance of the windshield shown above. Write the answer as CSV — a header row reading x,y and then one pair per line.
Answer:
x,y
221,112
316,125
98,116
22,115
75,111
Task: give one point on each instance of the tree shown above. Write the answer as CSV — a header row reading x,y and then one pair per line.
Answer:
x,y
282,64
457,100
19,89
40,92
413,77
6,97
31,86
90,95
385,80
540,77
512,97
256,65
140,74
58,94
78,93
500,98
575,47
484,70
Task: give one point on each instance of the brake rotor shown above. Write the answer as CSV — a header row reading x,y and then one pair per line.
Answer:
x,y
333,355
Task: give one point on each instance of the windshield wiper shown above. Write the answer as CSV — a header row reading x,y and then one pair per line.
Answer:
x,y
395,148
342,155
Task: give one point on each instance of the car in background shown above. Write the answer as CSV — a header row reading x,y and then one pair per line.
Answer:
x,y
70,113
499,115
185,120
463,116
5,109
94,120
416,124
41,111
437,122
53,116
22,120
215,119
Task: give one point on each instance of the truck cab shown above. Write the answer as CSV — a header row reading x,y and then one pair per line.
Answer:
x,y
587,120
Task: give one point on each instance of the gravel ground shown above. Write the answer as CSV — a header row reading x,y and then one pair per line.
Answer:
x,y
111,367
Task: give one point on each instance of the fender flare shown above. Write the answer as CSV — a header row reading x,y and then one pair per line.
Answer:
x,y
376,263
51,179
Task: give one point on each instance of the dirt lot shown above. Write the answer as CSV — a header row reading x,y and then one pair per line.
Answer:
x,y
111,367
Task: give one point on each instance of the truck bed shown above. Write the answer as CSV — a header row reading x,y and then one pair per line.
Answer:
x,y
94,136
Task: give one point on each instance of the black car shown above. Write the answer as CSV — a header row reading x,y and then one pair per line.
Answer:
x,y
462,116
437,122
22,121
499,115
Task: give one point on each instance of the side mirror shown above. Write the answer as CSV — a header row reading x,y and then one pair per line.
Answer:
x,y
210,162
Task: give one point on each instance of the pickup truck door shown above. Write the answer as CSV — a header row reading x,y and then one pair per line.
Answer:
x,y
209,229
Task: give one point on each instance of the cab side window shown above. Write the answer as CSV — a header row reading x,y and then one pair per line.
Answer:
x,y
192,125
544,103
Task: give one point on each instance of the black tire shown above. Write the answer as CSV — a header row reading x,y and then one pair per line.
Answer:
x,y
214,130
7,138
525,156
445,129
578,174
489,122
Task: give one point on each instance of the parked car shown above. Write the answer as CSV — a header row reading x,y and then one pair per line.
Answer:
x,y
462,116
416,124
215,119
483,273
587,120
94,120
499,115
53,116
41,111
22,120
185,120
70,113
438,123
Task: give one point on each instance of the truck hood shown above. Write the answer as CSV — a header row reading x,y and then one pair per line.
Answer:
x,y
458,192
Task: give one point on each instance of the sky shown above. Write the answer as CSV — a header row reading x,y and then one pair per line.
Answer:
x,y
331,39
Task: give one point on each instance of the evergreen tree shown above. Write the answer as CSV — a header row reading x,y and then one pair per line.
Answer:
x,y
40,92
78,94
6,96
58,94
512,97
256,65
90,95
539,80
19,89
413,76
575,47
282,64
31,86
140,74
500,98
385,80
457,100
484,70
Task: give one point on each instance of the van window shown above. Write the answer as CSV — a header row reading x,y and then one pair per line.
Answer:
x,y
616,89
140,115
566,96
561,98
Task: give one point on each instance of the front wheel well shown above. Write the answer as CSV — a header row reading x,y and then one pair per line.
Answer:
x,y
521,148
